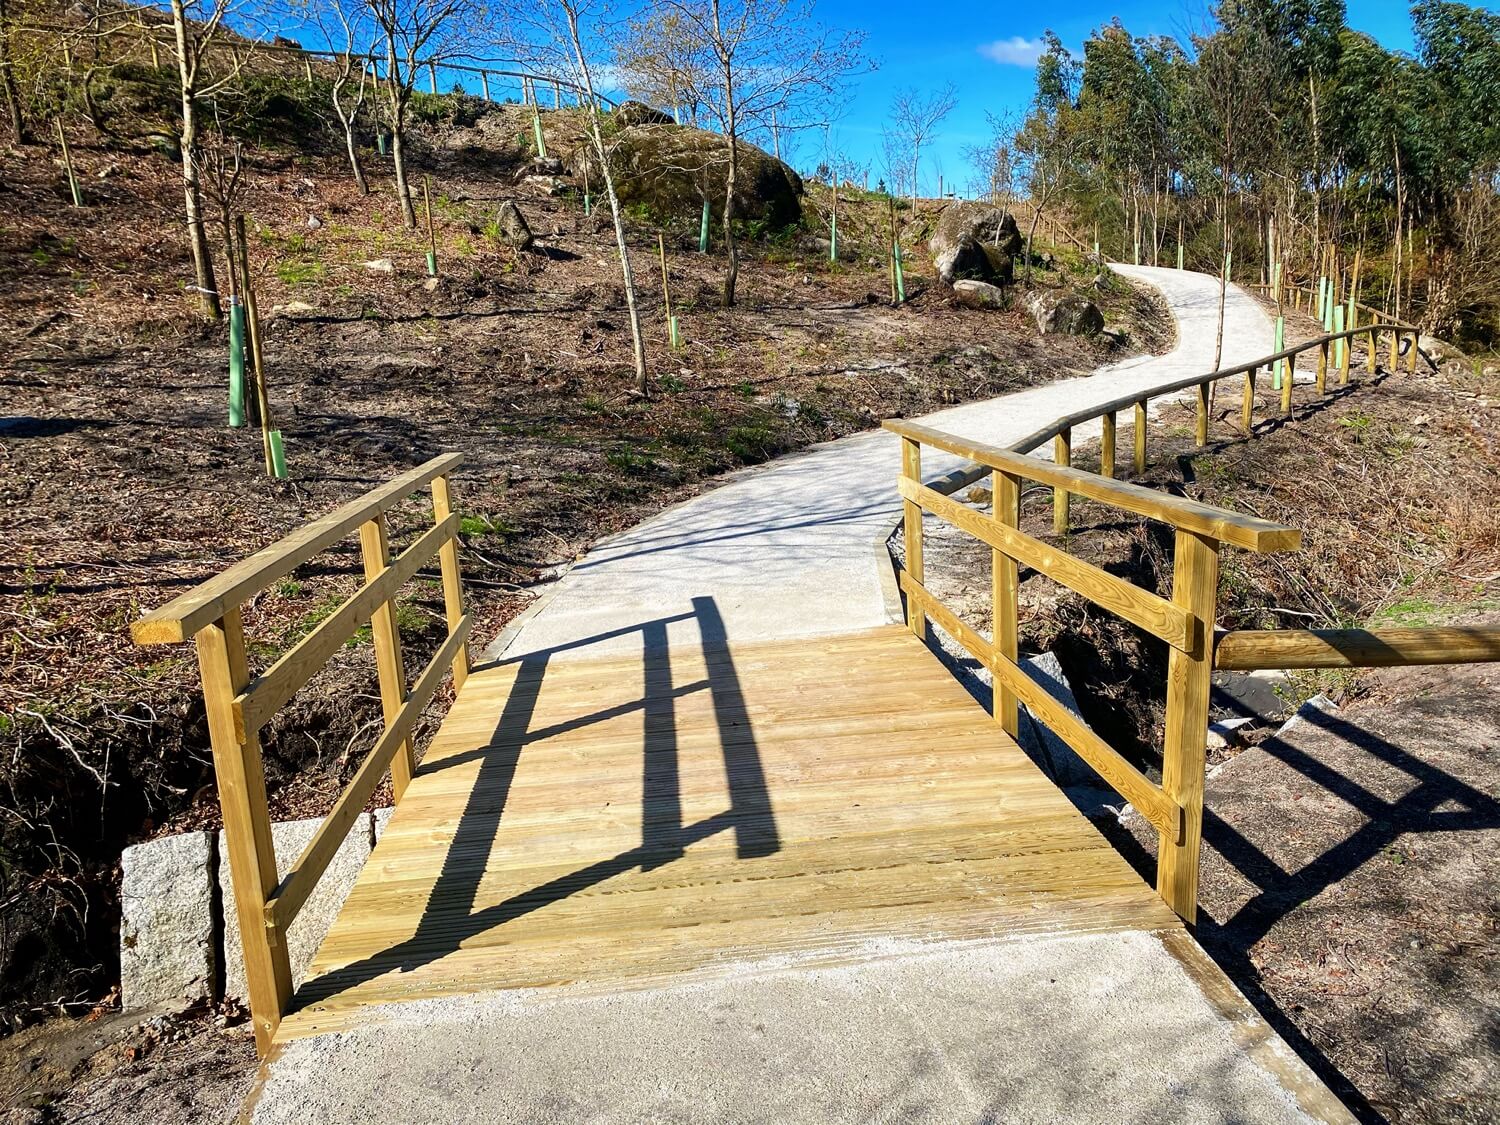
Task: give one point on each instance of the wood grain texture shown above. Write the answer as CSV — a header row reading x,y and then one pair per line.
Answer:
x,y
613,823
1225,526
1249,649
1195,583
1152,613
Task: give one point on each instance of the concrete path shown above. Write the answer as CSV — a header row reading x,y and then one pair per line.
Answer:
x,y
1133,1026
787,549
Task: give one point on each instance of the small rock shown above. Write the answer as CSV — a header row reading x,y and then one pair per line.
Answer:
x,y
381,265
292,308
109,170
313,222
431,284
551,185
979,294
1226,733
1421,420
514,230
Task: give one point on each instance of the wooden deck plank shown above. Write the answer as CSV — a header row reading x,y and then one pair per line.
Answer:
x,y
616,822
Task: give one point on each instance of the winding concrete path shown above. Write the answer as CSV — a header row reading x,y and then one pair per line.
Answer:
x,y
786,549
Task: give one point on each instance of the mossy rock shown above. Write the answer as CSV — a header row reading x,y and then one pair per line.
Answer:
x,y
669,169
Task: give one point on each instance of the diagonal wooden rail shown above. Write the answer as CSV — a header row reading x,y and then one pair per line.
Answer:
x,y
238,704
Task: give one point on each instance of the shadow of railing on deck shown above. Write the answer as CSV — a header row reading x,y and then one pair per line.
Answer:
x,y
451,916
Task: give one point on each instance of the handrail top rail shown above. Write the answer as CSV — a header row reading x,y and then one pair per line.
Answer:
x,y
1089,413
183,616
1249,532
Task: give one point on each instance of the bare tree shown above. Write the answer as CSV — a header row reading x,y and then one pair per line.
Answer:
x,y
1046,150
196,24
747,60
559,44
346,26
416,33
914,120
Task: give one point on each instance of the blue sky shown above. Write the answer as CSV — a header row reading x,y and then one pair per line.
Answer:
x,y
986,49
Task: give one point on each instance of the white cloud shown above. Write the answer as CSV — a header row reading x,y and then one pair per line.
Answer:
x,y
1015,51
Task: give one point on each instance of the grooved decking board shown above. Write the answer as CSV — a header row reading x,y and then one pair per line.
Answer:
x,y
614,822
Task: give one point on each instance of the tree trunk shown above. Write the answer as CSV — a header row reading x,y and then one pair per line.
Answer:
x,y
732,272
354,163
1036,215
203,263
638,343
8,82
398,162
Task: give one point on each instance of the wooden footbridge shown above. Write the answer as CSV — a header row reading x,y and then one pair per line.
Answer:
x,y
613,821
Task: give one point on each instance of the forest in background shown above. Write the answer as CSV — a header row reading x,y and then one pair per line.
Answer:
x,y
1277,133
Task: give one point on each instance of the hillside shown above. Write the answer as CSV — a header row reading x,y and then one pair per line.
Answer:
x,y
123,485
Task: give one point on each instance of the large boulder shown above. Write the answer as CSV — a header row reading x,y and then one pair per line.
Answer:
x,y
975,241
1070,314
669,169
631,113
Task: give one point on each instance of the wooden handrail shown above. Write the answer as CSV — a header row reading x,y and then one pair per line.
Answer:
x,y
1250,532
185,614
238,706
1090,413
1185,621
1251,649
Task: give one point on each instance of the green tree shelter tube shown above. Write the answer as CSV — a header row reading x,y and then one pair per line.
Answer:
x,y
236,363
536,128
1340,344
900,275
703,231
278,455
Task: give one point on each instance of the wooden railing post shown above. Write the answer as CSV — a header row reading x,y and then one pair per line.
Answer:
x,y
1140,437
1247,407
1374,348
1062,454
1195,579
1107,447
453,591
1413,355
1200,430
1005,581
1395,364
375,544
1323,367
247,823
1346,346
911,469
1288,374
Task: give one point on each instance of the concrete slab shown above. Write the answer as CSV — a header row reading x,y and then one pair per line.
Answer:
x,y
317,915
168,949
1108,1028
786,549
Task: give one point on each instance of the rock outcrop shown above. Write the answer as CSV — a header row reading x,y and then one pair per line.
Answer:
x,y
1070,314
670,169
975,242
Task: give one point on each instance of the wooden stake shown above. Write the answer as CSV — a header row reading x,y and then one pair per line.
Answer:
x,y
666,285
1140,437
252,320
431,231
911,469
67,156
